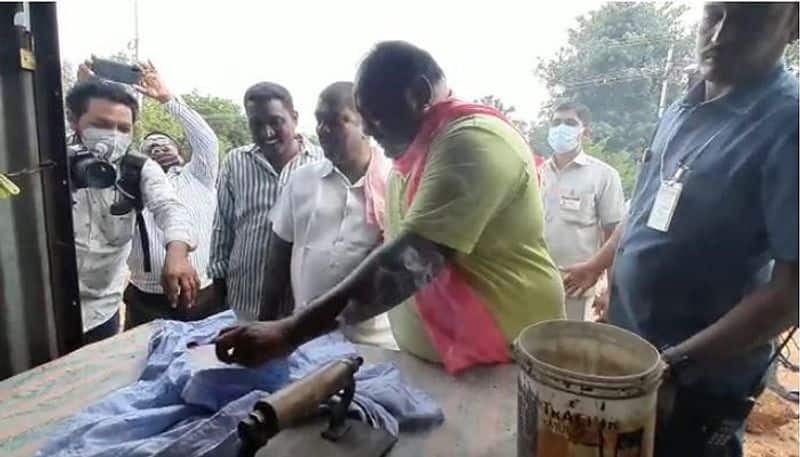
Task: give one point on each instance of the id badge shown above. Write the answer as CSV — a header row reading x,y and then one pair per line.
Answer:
x,y
571,203
664,206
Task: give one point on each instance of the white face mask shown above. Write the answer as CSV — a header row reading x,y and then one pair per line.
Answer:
x,y
564,138
108,144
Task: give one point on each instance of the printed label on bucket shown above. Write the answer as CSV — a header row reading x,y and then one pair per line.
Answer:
x,y
554,424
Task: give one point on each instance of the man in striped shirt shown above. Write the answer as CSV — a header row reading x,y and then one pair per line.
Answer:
x,y
250,181
195,185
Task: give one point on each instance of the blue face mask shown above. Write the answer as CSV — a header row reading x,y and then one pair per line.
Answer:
x,y
564,138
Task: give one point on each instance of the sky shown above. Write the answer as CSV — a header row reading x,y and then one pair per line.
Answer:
x,y
221,48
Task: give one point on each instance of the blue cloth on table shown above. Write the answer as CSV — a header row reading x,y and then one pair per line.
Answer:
x,y
178,409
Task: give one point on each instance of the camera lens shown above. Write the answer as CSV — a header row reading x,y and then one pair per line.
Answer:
x,y
94,173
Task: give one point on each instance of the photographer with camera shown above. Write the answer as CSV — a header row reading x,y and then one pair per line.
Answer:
x,y
111,186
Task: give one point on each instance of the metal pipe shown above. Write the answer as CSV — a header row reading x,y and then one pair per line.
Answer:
x,y
57,196
35,226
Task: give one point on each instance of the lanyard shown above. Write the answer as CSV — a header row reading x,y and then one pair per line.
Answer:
x,y
685,162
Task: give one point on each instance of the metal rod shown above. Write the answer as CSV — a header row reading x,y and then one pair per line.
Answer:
x,y
665,84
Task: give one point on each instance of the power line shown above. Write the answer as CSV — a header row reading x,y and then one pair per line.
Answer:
x,y
613,75
609,81
617,44
635,40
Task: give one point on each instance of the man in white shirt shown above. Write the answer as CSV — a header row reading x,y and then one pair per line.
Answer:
x,y
102,115
327,219
195,184
583,198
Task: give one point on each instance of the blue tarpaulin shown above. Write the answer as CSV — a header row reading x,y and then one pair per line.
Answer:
x,y
179,407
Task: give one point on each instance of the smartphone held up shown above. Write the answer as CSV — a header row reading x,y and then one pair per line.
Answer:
x,y
114,71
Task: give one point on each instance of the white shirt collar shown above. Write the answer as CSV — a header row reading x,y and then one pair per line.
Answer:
x,y
581,159
328,169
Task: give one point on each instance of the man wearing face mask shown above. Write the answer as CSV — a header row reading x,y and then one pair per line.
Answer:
x,y
714,206
464,267
583,198
329,217
102,115
250,181
195,184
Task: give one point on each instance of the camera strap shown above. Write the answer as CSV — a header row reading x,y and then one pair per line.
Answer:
x,y
129,185
145,239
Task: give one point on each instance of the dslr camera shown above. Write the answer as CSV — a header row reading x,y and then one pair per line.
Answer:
x,y
88,170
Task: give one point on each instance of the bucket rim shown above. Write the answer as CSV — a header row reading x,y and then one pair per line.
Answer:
x,y
643,380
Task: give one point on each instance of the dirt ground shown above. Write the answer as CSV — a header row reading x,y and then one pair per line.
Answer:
x,y
772,429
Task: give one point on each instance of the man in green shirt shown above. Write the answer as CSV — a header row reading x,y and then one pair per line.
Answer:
x,y
463,215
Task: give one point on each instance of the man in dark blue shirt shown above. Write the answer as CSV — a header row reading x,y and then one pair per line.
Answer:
x,y
706,262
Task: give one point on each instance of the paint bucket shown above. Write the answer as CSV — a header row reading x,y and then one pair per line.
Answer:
x,y
585,389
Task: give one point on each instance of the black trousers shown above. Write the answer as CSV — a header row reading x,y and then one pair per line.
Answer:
x,y
142,307
105,330
701,424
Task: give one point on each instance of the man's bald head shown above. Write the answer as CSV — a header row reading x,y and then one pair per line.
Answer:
x,y
395,84
339,95
340,127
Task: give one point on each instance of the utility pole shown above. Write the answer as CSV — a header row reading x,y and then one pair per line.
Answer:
x,y
667,67
135,44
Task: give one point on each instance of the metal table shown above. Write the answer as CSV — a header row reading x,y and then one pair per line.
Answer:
x,y
479,405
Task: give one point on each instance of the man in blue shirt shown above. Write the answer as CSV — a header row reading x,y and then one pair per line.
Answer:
x,y
716,203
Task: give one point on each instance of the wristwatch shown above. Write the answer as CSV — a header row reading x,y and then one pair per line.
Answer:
x,y
677,362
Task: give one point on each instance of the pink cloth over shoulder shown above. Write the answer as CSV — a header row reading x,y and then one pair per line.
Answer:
x,y
456,318
375,189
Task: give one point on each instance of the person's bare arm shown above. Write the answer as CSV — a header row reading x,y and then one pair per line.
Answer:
x,y
389,275
278,279
603,296
757,319
383,280
608,231
580,277
179,278
204,162
769,310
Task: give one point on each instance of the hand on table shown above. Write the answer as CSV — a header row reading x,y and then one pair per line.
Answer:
x,y
254,343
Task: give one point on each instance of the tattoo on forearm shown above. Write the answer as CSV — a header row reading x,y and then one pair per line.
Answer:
x,y
404,270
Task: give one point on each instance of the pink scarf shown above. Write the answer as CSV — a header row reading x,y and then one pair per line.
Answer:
x,y
455,317
375,189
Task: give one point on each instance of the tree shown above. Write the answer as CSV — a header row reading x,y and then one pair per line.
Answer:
x,y
619,160
614,62
154,118
792,56
68,76
496,103
224,116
